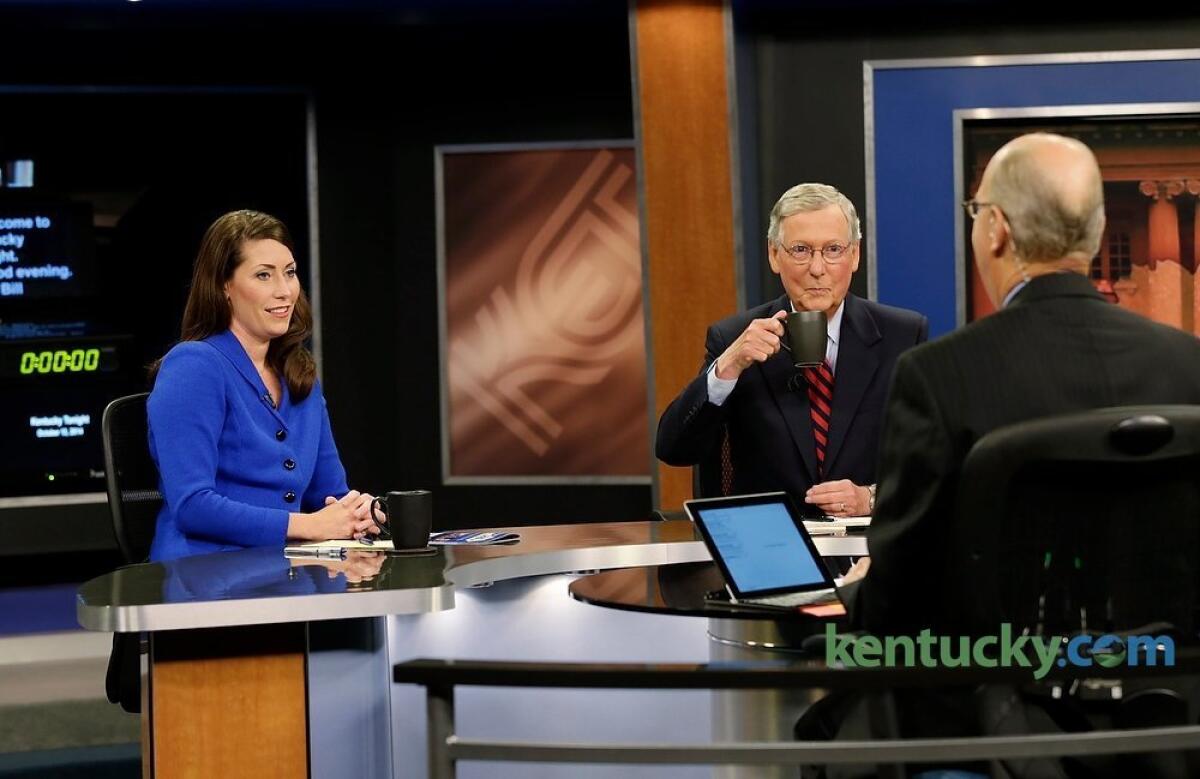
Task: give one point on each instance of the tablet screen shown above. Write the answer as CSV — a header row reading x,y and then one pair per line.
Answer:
x,y
760,547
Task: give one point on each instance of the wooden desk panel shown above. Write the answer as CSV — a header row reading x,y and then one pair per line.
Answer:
x,y
229,702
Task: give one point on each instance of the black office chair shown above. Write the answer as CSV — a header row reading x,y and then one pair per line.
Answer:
x,y
133,503
131,476
1087,521
712,477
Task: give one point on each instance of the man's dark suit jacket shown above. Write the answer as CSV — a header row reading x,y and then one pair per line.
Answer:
x,y
1058,347
767,414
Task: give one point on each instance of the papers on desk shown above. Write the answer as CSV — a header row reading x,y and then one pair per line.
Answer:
x,y
816,527
334,547
377,546
834,527
849,522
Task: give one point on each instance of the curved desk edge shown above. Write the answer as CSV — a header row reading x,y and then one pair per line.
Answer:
x,y
570,560
263,611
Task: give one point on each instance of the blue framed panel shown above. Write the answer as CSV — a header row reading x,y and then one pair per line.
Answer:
x,y
909,108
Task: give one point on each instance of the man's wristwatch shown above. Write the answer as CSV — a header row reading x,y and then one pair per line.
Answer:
x,y
871,499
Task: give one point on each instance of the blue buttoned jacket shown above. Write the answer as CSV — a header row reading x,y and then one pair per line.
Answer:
x,y
230,466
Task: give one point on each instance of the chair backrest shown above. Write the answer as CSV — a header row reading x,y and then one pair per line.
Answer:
x,y
130,475
1087,521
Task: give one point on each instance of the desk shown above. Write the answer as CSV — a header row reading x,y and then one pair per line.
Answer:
x,y
252,656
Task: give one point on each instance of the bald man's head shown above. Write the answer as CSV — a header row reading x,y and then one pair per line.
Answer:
x,y
1050,190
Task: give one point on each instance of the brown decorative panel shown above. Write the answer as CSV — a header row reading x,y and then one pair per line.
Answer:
x,y
543,340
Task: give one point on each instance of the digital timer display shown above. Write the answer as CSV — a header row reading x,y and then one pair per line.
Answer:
x,y
58,358
61,361
55,383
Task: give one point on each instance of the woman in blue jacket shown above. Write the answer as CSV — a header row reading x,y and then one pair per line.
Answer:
x,y
238,425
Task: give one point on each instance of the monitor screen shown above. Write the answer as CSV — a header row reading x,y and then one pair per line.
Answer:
x,y
46,248
100,222
55,391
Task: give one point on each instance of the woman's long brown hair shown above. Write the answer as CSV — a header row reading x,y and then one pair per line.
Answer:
x,y
208,311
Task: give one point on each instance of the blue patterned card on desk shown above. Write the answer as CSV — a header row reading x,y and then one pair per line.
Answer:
x,y
474,537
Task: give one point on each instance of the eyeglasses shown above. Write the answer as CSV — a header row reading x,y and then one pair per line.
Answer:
x,y
974,206
832,253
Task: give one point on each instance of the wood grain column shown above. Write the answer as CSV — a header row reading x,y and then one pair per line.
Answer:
x,y
683,130
229,703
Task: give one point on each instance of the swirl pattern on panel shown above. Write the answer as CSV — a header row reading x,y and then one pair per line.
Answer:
x,y
544,328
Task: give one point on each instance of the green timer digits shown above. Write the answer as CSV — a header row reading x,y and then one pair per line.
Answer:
x,y
61,361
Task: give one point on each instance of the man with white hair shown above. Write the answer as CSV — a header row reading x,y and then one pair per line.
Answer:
x,y
814,433
1054,346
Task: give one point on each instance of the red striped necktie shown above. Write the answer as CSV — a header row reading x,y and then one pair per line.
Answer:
x,y
820,402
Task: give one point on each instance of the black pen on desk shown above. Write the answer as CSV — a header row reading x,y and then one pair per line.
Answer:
x,y
321,553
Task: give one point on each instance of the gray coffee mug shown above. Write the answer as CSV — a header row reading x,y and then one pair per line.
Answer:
x,y
407,517
805,334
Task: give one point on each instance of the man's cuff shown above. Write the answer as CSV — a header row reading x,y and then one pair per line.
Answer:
x,y
718,389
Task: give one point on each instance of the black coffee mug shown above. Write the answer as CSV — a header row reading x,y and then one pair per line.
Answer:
x,y
407,517
804,335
